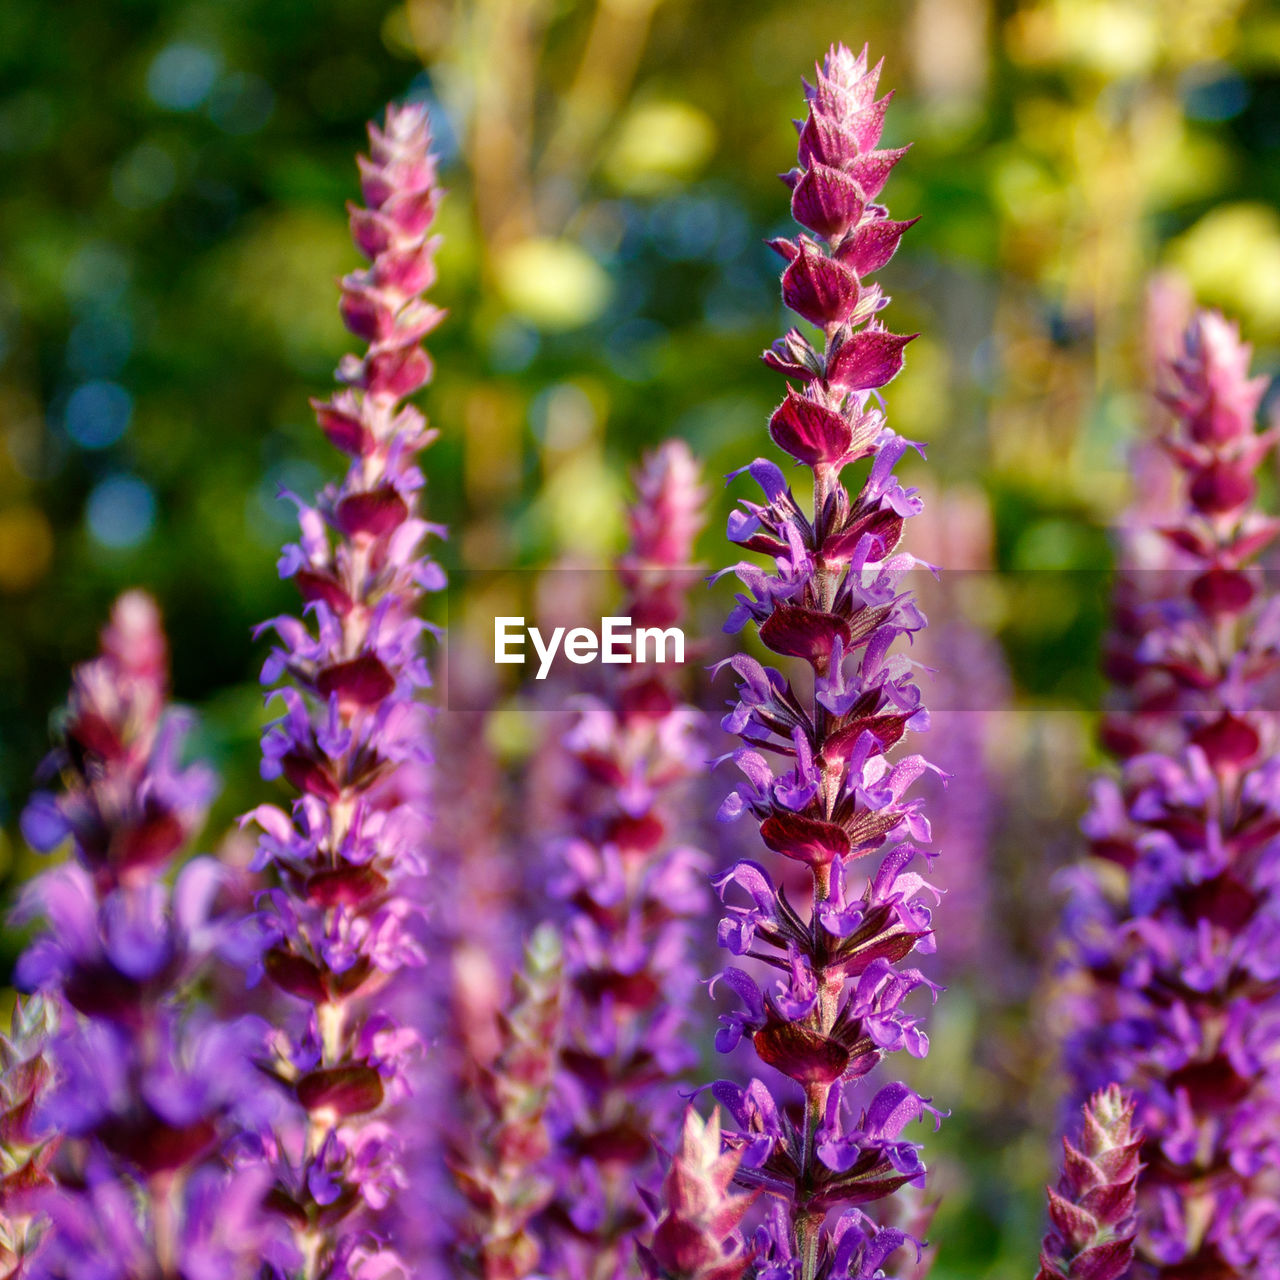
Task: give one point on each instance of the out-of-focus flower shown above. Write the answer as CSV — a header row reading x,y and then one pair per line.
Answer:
x,y
502,1169
146,1088
1093,1211
127,805
630,890
1136,716
970,690
341,921
1171,929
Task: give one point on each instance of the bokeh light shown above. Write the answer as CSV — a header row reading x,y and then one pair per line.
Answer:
x,y
97,414
120,512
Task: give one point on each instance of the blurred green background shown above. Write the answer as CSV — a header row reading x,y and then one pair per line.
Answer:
x,y
171,223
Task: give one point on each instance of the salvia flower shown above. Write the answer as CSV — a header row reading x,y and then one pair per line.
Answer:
x,y
147,1088
1172,928
502,1171
630,889
1092,1214
840,993
341,922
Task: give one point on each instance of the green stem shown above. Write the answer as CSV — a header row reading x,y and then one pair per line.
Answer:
x,y
807,1242
808,1223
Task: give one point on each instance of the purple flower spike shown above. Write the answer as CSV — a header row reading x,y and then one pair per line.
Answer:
x,y
825,775
1172,926
147,1089
629,889
1093,1211
352,739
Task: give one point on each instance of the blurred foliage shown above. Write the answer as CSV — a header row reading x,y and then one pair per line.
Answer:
x,y
172,221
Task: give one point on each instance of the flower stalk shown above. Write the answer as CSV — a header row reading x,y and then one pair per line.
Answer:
x,y
342,920
836,600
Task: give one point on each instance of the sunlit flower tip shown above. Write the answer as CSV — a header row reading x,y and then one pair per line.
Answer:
x,y
1093,1210
834,190
134,640
698,1235
381,303
1208,384
28,1147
